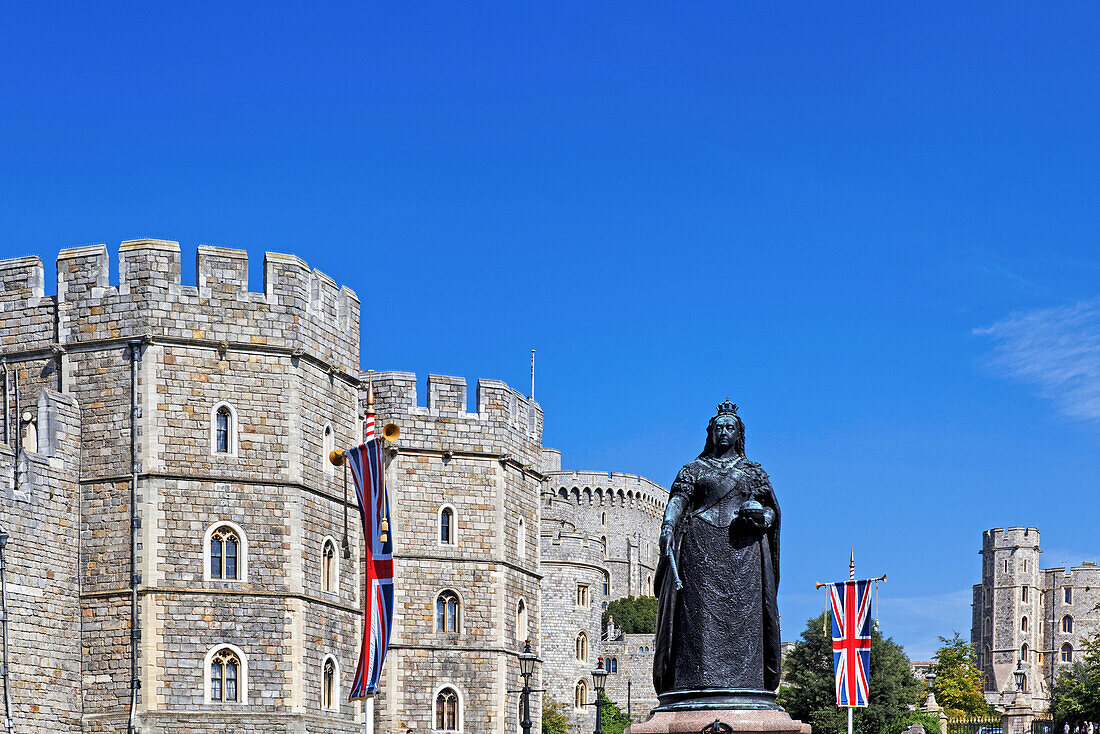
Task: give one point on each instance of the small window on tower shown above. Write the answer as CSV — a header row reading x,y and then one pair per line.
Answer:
x,y
1068,595
582,595
1023,594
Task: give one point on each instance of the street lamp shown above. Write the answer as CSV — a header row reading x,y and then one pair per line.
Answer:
x,y
527,662
1020,675
599,678
930,676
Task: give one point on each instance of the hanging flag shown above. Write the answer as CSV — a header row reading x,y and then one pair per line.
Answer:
x,y
374,509
851,612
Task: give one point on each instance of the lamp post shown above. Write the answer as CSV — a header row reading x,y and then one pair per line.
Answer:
x,y
1020,675
527,662
599,678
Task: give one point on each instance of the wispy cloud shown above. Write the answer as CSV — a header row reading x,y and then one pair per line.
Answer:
x,y
1055,349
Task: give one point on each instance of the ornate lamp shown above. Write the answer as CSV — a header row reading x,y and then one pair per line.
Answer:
x,y
527,660
930,676
599,677
1020,675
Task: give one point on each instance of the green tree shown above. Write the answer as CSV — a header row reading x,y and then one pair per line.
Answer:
x,y
1075,695
554,720
613,718
810,693
633,614
928,720
958,685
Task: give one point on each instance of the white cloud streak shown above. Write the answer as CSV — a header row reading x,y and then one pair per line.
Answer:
x,y
1055,349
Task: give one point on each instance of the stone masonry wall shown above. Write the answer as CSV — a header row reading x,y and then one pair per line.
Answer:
x,y
482,466
634,662
286,360
1019,611
571,559
38,511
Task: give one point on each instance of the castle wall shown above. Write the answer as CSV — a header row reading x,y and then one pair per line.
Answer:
x,y
1014,589
633,656
624,510
585,513
483,467
286,359
571,559
38,501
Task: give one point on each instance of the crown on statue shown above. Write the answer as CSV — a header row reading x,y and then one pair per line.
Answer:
x,y
727,408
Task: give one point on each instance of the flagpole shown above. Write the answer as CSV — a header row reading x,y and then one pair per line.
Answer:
x,y
369,708
849,720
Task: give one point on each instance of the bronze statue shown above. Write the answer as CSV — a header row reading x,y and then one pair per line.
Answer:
x,y
717,618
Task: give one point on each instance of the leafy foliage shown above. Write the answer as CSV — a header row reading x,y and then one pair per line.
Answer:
x,y
958,685
929,721
633,614
1075,696
554,720
810,695
613,718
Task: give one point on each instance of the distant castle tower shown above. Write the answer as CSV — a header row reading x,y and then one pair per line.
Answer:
x,y
1026,616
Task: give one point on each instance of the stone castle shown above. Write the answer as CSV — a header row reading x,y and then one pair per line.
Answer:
x,y
1024,615
179,554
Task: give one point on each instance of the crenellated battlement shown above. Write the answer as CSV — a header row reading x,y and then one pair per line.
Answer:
x,y
1013,537
298,308
608,489
505,423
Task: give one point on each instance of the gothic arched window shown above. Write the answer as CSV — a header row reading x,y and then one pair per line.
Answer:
x,y
447,526
447,610
223,430
1067,653
328,565
225,676
447,710
521,621
1067,624
580,695
226,553
582,647
329,682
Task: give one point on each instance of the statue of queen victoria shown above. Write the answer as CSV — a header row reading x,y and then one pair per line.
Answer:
x,y
717,618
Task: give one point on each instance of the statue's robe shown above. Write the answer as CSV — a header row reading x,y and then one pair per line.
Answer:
x,y
721,631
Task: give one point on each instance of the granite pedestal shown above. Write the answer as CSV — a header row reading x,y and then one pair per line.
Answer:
x,y
739,720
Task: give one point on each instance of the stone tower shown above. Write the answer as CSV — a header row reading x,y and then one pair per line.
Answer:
x,y
228,398
1009,616
464,493
600,532
182,557
1041,617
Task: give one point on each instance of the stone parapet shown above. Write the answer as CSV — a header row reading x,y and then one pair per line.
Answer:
x,y
299,308
506,424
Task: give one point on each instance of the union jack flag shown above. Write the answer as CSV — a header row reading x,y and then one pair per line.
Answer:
x,y
851,607
374,509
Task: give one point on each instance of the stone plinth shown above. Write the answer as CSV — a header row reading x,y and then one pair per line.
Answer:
x,y
682,722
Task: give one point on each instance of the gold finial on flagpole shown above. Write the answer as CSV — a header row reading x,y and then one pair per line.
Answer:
x,y
370,392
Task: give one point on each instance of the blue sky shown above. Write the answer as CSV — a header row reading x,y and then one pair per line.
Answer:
x,y
873,227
